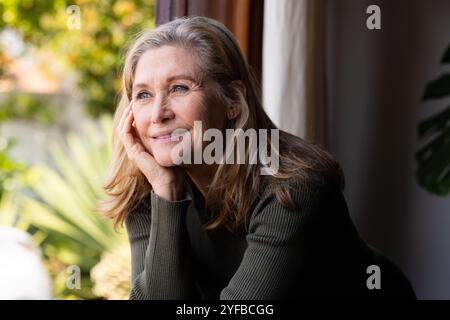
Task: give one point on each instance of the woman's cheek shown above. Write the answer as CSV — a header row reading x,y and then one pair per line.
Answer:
x,y
192,106
148,147
141,130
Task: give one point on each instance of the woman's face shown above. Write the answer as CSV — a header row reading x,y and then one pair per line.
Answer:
x,y
166,97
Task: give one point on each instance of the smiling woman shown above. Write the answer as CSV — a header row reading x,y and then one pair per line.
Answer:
x,y
223,230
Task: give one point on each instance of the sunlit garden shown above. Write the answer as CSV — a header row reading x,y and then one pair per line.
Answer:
x,y
59,83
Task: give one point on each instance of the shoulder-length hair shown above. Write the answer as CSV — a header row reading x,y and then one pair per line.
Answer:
x,y
235,187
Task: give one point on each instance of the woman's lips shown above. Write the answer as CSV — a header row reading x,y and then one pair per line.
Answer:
x,y
164,138
168,136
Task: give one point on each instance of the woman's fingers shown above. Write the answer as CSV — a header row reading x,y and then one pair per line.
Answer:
x,y
135,149
125,117
126,135
122,118
127,125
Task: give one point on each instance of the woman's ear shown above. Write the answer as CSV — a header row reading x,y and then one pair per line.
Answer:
x,y
234,109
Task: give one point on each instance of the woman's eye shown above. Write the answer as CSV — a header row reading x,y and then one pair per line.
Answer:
x,y
179,88
143,95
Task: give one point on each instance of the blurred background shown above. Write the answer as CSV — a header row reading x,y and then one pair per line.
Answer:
x,y
375,97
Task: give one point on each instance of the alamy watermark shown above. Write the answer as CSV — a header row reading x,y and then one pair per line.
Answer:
x,y
373,22
374,280
74,280
219,153
73,17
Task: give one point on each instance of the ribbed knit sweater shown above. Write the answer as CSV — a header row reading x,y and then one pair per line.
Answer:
x,y
313,251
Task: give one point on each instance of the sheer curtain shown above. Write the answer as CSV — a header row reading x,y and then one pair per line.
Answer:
x,y
293,66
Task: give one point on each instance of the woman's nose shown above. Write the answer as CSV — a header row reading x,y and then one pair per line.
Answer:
x,y
161,110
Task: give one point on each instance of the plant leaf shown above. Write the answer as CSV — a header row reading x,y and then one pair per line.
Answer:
x,y
433,160
446,57
438,88
434,124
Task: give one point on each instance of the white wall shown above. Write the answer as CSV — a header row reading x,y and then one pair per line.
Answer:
x,y
33,138
374,83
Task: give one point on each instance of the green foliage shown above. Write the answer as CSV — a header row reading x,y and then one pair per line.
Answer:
x,y
28,106
58,208
433,159
10,170
57,204
63,207
95,50
11,176
437,88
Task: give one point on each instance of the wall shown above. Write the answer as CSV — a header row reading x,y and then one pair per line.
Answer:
x,y
33,138
374,83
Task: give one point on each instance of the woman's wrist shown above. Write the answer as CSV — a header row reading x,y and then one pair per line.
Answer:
x,y
170,193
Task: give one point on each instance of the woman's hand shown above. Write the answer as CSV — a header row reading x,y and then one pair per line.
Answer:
x,y
167,183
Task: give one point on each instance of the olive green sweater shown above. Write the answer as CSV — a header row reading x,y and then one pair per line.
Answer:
x,y
314,251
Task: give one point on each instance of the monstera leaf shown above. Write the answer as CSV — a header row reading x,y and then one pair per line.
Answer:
x,y
433,159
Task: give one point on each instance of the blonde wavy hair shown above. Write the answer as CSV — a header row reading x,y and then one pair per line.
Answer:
x,y
235,187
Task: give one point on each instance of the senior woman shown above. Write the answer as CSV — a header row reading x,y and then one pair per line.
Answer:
x,y
224,229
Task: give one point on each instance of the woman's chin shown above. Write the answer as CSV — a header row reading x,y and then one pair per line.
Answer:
x,y
164,161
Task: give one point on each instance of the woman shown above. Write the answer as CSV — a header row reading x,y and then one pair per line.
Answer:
x,y
222,229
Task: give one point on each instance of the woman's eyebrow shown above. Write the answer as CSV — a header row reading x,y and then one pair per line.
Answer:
x,y
181,76
169,79
138,86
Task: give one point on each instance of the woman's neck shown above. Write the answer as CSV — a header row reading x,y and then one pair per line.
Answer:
x,y
202,176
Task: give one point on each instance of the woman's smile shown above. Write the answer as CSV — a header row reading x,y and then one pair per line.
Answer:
x,y
165,138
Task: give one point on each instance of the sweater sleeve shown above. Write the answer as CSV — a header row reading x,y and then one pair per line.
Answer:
x,y
138,224
271,260
161,265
